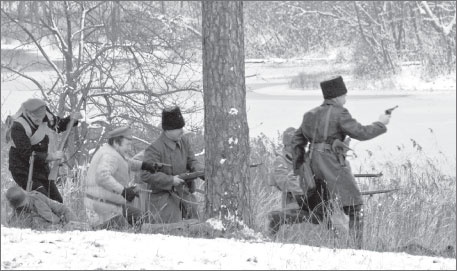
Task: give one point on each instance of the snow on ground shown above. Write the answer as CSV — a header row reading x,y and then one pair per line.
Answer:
x,y
27,249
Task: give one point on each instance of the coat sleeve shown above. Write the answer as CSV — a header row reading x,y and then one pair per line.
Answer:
x,y
354,129
104,174
158,180
281,174
299,142
23,145
134,164
60,124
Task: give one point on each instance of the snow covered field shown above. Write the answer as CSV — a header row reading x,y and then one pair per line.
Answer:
x,y
26,249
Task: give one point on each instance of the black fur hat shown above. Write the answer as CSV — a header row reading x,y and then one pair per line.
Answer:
x,y
333,88
172,119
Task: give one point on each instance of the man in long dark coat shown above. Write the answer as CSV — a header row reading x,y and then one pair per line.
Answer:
x,y
320,127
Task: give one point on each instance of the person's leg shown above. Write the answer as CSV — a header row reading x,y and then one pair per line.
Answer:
x,y
355,213
54,192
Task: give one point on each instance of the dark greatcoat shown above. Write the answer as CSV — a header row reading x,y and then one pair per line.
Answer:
x,y
166,202
324,162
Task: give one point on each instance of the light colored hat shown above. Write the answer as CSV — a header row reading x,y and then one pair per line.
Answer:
x,y
16,196
34,104
124,131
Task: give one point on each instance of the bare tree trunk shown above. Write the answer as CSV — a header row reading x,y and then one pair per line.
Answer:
x,y
226,130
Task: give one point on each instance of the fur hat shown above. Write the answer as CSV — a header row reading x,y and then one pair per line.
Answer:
x,y
124,131
288,135
172,119
333,88
15,196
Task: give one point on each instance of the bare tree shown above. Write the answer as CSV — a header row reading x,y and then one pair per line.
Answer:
x,y
226,130
126,61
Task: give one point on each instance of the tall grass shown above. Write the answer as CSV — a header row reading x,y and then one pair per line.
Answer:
x,y
420,217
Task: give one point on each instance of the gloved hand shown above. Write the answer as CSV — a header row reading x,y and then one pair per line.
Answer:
x,y
129,193
384,118
150,166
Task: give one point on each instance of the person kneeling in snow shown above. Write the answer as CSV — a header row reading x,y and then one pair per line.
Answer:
x,y
109,193
36,211
297,207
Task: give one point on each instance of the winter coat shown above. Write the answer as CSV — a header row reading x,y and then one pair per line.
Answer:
x,y
40,213
164,200
108,174
284,179
22,148
324,162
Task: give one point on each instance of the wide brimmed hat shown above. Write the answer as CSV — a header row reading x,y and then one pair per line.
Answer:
x,y
172,119
333,88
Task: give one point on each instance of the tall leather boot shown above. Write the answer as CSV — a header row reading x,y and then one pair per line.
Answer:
x,y
275,220
355,214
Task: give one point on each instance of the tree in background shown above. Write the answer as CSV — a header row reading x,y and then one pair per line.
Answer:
x,y
226,130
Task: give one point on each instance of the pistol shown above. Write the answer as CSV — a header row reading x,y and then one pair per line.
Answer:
x,y
389,111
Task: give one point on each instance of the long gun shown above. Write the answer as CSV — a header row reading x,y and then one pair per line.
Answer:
x,y
389,111
198,174
28,188
371,193
371,175
55,169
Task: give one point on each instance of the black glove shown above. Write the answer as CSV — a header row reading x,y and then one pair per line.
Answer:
x,y
129,193
150,166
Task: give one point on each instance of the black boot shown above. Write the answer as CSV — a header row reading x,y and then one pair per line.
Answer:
x,y
274,222
355,214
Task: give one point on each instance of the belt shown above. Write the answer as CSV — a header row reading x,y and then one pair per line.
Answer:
x,y
321,146
104,200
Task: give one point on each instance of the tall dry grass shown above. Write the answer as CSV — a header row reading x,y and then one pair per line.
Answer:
x,y
420,218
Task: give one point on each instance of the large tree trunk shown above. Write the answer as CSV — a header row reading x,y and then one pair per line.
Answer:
x,y
226,129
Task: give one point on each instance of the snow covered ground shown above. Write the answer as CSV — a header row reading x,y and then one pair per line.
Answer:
x,y
27,249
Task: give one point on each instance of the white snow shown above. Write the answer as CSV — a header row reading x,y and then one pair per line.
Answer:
x,y
27,249
233,111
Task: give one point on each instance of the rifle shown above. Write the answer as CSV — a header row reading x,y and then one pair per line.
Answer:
x,y
389,111
371,193
198,174
191,175
360,175
55,169
28,188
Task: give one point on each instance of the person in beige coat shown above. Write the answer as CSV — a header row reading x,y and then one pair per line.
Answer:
x,y
109,193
